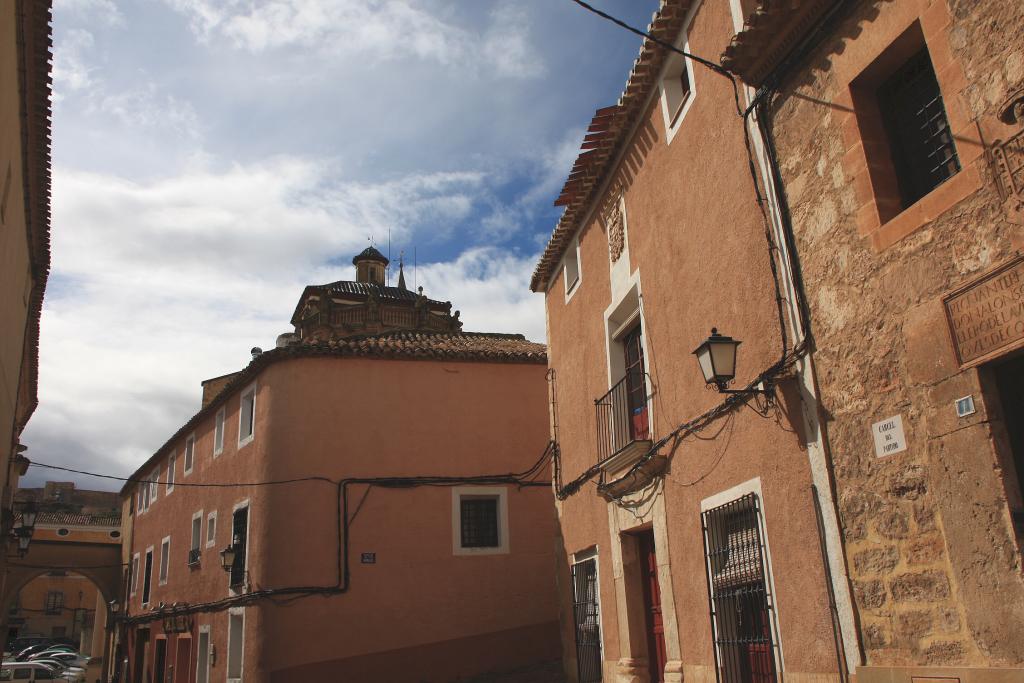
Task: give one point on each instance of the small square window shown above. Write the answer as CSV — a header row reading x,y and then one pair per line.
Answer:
x,y
480,520
190,453
572,268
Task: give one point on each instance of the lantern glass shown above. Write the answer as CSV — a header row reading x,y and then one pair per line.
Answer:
x,y
23,542
227,558
717,358
28,514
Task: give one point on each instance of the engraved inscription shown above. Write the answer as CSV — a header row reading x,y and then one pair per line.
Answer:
x,y
988,315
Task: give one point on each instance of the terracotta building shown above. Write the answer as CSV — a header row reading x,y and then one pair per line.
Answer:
x,y
24,225
907,203
696,509
408,534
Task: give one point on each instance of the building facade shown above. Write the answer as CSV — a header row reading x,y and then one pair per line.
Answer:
x,y
24,225
697,519
408,536
907,206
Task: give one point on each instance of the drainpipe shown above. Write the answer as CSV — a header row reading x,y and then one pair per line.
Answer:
x,y
817,452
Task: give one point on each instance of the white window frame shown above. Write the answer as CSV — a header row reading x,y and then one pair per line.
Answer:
x,y
211,517
499,492
237,612
671,72
251,389
721,498
205,628
572,255
153,479
190,447
219,422
200,545
248,541
170,471
163,576
143,491
145,604
135,575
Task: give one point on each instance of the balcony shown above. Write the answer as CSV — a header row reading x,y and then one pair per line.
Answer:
x,y
623,433
193,557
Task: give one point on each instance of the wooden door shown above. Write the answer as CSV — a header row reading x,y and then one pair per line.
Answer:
x,y
159,660
652,606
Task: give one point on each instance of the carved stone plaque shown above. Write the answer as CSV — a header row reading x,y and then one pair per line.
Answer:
x,y
616,231
986,316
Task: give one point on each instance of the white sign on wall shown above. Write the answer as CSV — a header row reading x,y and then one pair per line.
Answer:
x,y
889,437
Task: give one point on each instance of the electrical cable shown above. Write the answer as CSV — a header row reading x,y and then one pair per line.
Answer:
x,y
138,480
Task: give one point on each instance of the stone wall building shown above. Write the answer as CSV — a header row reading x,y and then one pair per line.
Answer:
x,y
899,130
413,539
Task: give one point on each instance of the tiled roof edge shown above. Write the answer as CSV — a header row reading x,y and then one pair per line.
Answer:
x,y
665,26
301,350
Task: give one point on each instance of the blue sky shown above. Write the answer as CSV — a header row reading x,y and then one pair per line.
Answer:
x,y
212,157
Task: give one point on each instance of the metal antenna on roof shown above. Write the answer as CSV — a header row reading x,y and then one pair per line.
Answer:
x,y
387,268
415,282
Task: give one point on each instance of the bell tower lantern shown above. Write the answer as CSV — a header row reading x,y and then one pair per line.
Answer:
x,y
370,266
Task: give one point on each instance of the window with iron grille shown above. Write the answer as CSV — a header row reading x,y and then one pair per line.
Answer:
x,y
920,141
587,620
239,533
479,521
54,602
741,610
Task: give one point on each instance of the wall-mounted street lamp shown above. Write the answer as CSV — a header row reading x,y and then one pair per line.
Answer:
x,y
227,557
717,359
114,606
24,528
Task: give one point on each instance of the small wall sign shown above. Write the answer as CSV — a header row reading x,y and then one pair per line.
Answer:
x,y
889,437
368,558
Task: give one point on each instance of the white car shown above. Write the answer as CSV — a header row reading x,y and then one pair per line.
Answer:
x,y
35,671
69,658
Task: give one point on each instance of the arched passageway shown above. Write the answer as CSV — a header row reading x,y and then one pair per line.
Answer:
x,y
42,570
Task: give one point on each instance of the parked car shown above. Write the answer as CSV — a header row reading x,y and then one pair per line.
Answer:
x,y
34,671
69,657
74,673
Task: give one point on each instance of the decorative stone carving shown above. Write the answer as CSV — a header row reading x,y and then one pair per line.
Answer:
x,y
615,225
1008,159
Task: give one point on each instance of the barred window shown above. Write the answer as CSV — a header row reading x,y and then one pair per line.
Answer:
x,y
54,602
920,141
479,521
741,610
587,619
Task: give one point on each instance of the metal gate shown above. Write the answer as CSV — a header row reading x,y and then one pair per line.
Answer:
x,y
588,620
738,593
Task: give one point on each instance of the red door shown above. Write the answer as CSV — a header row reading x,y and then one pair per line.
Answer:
x,y
652,606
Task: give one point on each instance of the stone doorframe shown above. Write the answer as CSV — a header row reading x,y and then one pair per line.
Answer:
x,y
649,512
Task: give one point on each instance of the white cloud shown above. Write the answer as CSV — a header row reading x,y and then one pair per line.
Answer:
x,y
100,12
70,68
147,107
372,30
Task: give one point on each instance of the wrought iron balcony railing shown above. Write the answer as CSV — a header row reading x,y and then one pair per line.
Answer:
x,y
621,420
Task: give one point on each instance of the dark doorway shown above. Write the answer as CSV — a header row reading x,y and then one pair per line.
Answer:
x,y
139,660
653,621
1010,382
160,661
587,620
